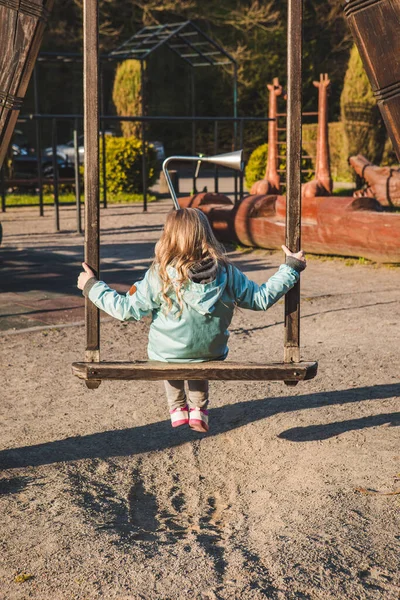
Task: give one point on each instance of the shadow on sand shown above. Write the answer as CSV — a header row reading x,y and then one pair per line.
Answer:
x,y
159,436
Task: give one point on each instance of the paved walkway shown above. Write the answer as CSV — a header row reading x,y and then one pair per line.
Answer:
x,y
39,268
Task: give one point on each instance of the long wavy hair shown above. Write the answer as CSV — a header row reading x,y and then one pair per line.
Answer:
x,y
186,240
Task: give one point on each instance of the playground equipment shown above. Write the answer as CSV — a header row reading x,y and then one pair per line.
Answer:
x,y
21,30
270,184
321,185
374,25
230,160
291,370
345,226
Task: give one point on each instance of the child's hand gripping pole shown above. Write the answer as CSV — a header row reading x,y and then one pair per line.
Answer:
x,y
299,255
84,277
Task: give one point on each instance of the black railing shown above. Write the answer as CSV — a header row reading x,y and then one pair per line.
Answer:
x,y
236,140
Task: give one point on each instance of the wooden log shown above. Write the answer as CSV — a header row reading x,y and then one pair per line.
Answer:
x,y
22,25
204,198
218,209
293,171
374,25
344,226
91,174
213,370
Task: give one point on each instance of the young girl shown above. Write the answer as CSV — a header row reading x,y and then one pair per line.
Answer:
x,y
190,291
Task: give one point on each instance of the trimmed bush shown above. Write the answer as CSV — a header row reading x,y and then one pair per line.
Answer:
x,y
389,157
255,168
363,126
127,95
256,165
124,165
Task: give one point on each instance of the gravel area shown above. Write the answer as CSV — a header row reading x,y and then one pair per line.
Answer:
x,y
289,496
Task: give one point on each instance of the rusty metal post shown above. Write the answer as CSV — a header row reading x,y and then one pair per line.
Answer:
x,y
293,171
91,137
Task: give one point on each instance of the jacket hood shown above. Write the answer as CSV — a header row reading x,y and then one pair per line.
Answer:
x,y
204,271
202,297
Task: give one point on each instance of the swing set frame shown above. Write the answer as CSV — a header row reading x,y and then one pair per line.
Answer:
x,y
291,370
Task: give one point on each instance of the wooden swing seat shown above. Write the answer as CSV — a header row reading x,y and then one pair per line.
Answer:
x,y
225,370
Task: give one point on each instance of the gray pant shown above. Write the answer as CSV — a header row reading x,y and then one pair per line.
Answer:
x,y
198,393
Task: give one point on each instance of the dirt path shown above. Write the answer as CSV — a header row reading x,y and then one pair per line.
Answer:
x,y
100,498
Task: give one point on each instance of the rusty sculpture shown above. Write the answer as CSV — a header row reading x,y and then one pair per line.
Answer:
x,y
270,184
346,226
374,25
21,30
383,182
321,185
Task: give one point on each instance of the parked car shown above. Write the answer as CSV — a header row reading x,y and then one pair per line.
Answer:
x,y
67,150
24,162
25,165
160,150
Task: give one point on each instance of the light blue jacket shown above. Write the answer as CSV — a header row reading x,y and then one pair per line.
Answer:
x,y
200,333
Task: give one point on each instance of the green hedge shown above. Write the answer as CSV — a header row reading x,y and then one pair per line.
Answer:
x,y
364,130
255,169
124,165
340,168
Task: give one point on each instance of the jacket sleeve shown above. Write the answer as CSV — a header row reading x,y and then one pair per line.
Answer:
x,y
249,294
127,307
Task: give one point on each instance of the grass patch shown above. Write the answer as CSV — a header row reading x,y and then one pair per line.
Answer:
x,y
348,261
65,199
345,191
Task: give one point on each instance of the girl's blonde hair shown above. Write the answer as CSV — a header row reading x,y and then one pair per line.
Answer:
x,y
186,240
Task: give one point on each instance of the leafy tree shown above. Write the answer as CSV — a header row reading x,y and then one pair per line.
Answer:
x,y
253,32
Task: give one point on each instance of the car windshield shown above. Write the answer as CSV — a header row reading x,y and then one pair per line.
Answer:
x,y
71,143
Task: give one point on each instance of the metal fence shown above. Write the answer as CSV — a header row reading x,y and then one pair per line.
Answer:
x,y
236,140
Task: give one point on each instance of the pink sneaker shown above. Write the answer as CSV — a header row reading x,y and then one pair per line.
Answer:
x,y
198,419
179,416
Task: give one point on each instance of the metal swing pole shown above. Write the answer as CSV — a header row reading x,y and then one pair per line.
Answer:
x,y
293,171
91,178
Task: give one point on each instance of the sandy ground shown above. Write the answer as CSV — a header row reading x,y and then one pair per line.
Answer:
x,y
100,498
